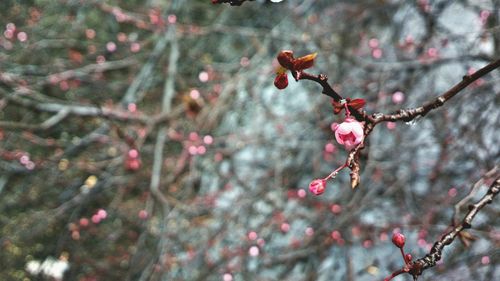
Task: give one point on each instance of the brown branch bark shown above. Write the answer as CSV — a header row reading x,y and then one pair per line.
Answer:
x,y
410,114
402,115
430,260
329,91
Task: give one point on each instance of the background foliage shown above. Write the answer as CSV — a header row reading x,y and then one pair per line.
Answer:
x,y
217,190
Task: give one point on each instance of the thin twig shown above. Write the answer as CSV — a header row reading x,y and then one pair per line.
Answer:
x,y
231,2
329,91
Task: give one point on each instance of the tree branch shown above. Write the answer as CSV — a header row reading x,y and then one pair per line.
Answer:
x,y
402,115
231,2
322,79
47,124
410,114
63,110
430,260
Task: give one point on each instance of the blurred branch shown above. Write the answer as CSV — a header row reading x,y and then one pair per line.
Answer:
x,y
231,2
124,16
64,110
416,63
88,69
146,72
14,80
47,124
161,138
168,94
3,181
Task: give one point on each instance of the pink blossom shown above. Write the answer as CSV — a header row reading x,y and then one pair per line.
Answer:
x,y
133,153
336,209
252,235
22,36
329,148
96,219
143,214
102,214
485,260
111,46
309,231
317,187
377,53
135,47
336,235
201,150
301,193
373,43
203,76
84,222
254,251
227,277
349,133
195,94
285,227
208,139
398,97
172,19
90,33
132,107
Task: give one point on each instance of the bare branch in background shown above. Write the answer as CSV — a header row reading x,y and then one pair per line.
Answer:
x,y
231,2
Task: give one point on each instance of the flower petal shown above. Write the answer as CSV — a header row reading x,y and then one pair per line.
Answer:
x,y
357,129
334,126
338,138
344,128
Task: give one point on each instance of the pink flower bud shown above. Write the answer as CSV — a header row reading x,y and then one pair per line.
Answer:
x,y
408,258
317,187
349,133
84,222
143,214
398,239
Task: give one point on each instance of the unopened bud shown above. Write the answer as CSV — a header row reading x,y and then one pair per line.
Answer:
x,y
281,81
398,239
317,187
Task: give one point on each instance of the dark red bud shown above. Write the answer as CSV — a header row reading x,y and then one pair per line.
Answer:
x,y
398,239
285,58
281,81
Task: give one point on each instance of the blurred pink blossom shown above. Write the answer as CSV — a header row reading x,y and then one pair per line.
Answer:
x,y
398,97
